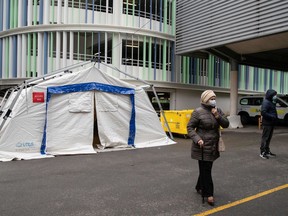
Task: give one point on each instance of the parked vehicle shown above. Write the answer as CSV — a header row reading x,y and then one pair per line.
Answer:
x,y
249,108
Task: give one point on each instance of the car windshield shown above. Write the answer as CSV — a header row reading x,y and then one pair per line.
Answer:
x,y
282,103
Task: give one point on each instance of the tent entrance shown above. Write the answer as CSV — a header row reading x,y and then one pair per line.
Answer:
x,y
96,140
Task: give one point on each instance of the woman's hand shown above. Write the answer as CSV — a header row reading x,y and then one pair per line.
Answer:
x,y
201,143
215,112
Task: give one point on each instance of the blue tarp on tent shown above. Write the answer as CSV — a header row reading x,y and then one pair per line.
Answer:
x,y
82,87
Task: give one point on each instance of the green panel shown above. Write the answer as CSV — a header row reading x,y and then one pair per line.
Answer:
x,y
78,46
243,77
150,75
184,69
51,51
165,6
34,54
188,69
198,80
35,12
228,74
164,61
211,71
285,84
173,16
144,58
278,81
29,39
260,80
16,14
11,14
7,54
251,78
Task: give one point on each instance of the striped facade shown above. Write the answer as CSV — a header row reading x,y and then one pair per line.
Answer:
x,y
214,72
41,36
38,37
207,24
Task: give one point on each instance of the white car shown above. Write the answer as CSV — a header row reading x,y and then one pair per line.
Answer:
x,y
249,108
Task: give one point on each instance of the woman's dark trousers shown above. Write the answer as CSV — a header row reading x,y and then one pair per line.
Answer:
x,y
205,182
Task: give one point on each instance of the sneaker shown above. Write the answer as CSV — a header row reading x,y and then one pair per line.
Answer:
x,y
264,155
270,154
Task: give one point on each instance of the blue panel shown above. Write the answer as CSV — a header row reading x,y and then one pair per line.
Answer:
x,y
172,61
24,14
45,52
265,79
1,49
8,15
271,79
82,87
14,58
41,12
246,77
1,16
132,128
256,77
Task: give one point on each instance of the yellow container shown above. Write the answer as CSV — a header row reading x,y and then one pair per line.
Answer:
x,y
177,120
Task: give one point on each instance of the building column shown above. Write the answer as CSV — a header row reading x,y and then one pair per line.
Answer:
x,y
234,119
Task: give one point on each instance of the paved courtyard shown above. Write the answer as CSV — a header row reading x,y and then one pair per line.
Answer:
x,y
150,181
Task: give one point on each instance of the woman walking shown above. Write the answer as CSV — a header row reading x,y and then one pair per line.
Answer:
x,y
203,128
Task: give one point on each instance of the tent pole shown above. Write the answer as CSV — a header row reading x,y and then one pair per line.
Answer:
x,y
11,106
162,112
52,74
154,91
7,94
127,74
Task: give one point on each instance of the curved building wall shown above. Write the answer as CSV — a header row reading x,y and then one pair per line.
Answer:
x,y
38,37
41,36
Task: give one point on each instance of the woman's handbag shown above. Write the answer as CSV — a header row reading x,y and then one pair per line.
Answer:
x,y
221,145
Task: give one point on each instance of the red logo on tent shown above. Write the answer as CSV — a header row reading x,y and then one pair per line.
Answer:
x,y
38,97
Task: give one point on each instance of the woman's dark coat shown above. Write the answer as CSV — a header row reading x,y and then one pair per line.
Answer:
x,y
203,125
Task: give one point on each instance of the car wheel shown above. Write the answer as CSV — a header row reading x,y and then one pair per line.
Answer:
x,y
244,118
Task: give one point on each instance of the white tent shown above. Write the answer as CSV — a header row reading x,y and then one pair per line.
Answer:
x,y
78,113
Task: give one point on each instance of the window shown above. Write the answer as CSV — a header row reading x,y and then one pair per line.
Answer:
x,y
142,8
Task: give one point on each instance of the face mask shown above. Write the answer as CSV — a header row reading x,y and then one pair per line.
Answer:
x,y
274,99
212,103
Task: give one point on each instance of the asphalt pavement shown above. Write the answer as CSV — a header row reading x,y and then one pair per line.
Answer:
x,y
151,181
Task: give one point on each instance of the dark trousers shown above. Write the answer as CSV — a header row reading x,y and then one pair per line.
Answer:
x,y
267,134
205,182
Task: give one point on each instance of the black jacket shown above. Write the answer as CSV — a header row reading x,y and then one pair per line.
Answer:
x,y
268,109
203,125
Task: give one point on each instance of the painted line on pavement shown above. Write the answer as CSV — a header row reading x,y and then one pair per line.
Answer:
x,y
220,208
